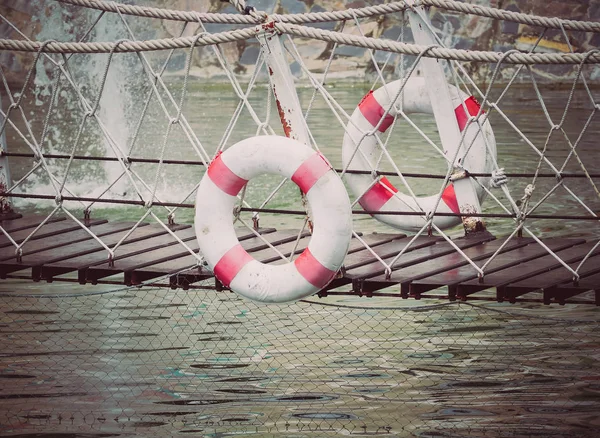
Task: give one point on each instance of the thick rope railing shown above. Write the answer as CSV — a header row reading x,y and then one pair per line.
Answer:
x,y
348,14
304,32
436,52
128,46
206,17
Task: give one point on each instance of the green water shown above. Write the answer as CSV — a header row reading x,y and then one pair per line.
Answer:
x,y
155,362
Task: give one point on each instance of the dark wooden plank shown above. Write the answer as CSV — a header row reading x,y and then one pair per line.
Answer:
x,y
184,277
37,259
11,225
127,249
524,270
94,273
376,239
410,269
69,238
562,292
194,274
373,240
362,263
432,248
48,231
364,257
546,280
186,269
251,244
511,256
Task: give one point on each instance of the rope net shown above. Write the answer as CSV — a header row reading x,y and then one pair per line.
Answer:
x,y
118,115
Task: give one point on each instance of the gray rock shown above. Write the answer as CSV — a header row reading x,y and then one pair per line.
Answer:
x,y
250,55
177,62
263,5
509,26
293,6
329,25
350,51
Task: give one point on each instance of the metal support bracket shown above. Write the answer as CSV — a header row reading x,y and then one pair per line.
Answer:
x,y
284,92
443,111
282,85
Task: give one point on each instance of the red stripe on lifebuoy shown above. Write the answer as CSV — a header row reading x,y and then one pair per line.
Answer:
x,y
449,198
312,270
472,107
231,263
377,195
224,178
310,172
373,112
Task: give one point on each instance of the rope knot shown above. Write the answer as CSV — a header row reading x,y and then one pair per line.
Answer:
x,y
459,173
58,199
148,204
236,212
499,178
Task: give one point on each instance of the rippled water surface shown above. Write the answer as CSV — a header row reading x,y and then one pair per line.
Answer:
x,y
154,362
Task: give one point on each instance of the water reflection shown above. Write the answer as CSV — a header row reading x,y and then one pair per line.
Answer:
x,y
353,379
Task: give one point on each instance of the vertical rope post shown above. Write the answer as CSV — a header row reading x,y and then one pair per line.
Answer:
x,y
6,208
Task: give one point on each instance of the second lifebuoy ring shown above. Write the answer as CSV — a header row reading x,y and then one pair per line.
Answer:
x,y
382,195
331,215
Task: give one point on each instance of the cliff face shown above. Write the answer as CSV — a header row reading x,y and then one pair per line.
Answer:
x,y
45,19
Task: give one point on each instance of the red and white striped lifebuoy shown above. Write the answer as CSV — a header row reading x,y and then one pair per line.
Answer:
x,y
383,196
330,209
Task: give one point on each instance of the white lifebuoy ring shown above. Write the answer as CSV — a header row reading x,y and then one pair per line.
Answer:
x,y
383,196
331,216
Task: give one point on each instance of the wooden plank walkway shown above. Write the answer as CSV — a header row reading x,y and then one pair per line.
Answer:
x,y
522,271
